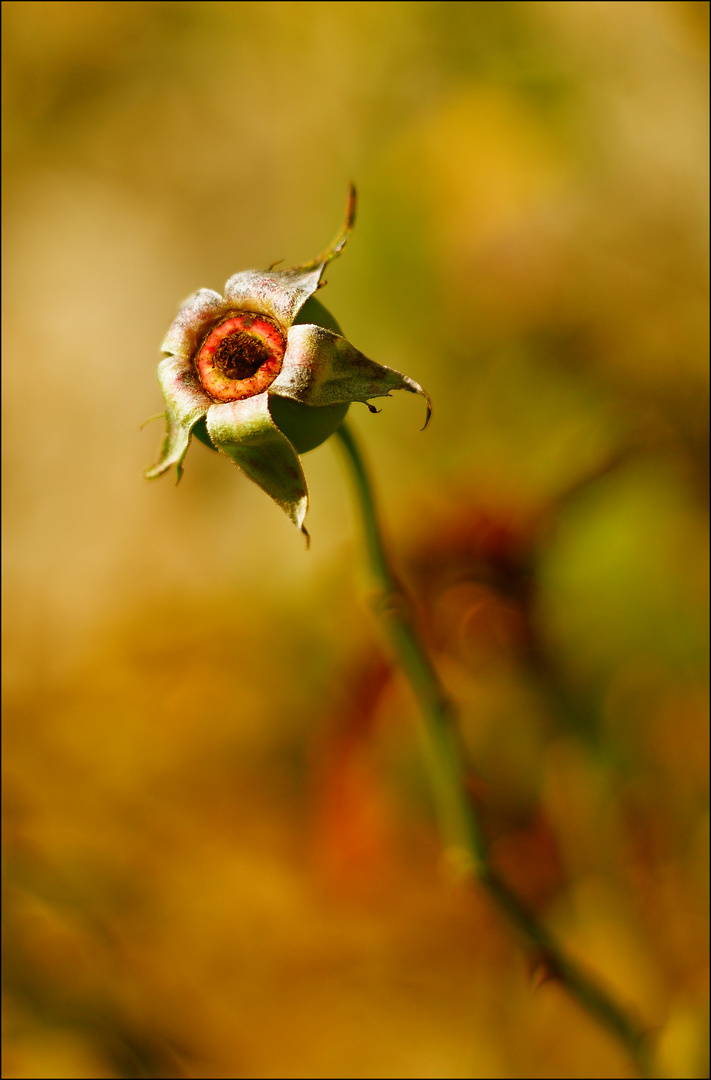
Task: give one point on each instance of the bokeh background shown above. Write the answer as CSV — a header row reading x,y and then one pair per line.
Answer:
x,y
221,857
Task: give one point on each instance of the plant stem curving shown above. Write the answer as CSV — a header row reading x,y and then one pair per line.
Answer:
x,y
461,829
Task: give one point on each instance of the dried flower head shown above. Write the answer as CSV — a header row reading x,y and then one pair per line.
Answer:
x,y
264,374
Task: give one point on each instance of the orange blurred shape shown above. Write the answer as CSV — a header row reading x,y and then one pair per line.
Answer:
x,y
353,830
528,859
474,622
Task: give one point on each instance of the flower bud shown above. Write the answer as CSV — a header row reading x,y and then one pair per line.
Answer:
x,y
264,374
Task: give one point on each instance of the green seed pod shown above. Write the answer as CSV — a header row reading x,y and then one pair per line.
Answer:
x,y
306,426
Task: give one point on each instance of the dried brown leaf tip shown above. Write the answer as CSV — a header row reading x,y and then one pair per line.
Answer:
x,y
264,374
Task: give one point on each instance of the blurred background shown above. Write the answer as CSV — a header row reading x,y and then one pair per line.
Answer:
x,y
221,857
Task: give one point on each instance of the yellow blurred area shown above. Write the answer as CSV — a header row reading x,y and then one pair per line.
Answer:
x,y
220,851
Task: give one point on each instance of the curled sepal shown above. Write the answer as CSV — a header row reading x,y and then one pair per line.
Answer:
x,y
197,315
245,431
185,403
336,246
280,294
322,368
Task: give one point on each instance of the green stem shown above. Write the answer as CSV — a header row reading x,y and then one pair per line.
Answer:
x,y
458,820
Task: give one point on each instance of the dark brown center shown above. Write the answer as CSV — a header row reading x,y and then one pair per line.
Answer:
x,y
240,355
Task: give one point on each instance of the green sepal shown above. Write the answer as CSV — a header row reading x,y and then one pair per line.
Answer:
x,y
306,427
198,314
185,404
280,294
244,431
322,368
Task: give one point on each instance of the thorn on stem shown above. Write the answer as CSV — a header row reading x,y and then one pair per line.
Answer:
x,y
542,970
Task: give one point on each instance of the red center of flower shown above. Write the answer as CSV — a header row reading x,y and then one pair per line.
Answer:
x,y
241,357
